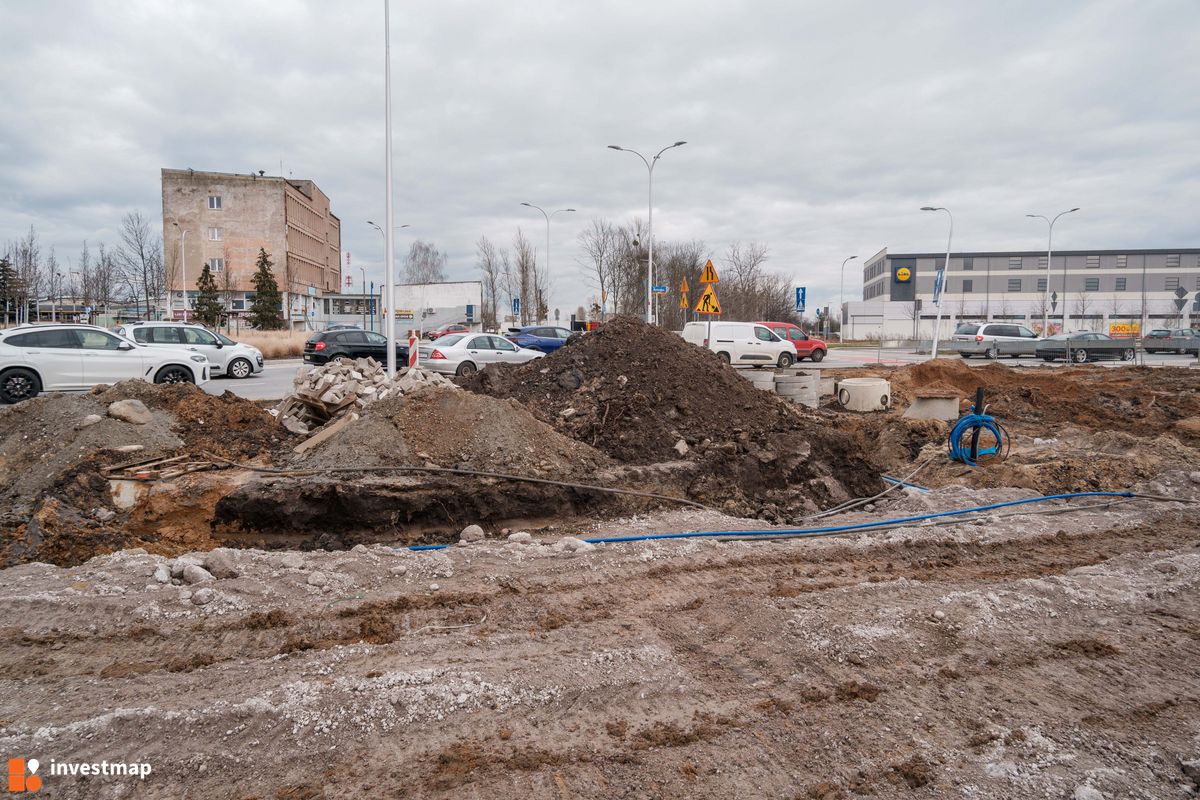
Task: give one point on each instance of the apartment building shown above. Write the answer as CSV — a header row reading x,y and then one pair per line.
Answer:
x,y
223,220
1098,290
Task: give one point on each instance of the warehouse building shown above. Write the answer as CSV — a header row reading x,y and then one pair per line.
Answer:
x,y
1108,291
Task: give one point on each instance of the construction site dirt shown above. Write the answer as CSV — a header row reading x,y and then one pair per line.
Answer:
x,y
254,625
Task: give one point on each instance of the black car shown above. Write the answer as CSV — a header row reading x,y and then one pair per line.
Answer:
x,y
325,346
1084,347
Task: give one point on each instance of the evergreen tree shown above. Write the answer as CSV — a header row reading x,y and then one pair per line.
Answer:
x,y
209,307
9,289
265,310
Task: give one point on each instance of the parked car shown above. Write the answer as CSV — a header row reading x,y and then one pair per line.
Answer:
x,y
325,346
1083,347
72,357
741,343
1155,340
454,327
994,339
806,346
545,338
343,326
226,357
467,353
1181,340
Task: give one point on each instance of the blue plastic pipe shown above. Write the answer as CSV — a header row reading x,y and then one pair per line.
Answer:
x,y
803,532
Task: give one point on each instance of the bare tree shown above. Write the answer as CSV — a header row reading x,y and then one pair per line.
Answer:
x,y
525,263
1083,304
602,246
492,263
140,259
26,258
424,263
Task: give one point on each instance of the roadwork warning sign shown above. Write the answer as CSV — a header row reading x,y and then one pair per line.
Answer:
x,y
709,304
709,275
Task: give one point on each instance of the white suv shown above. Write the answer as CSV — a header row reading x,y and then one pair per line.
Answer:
x,y
994,339
55,358
227,357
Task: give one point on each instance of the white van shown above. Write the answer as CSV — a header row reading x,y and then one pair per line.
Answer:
x,y
741,343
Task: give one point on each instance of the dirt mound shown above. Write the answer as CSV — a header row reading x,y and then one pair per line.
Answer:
x,y
226,425
451,428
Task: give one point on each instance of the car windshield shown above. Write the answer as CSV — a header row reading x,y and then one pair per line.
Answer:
x,y
225,339
454,338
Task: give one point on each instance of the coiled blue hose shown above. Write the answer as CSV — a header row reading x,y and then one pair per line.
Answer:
x,y
968,425
803,532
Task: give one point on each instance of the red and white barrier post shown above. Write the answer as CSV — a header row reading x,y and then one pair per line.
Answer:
x,y
412,349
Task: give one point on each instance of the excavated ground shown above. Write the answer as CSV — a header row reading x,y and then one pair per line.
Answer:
x,y
1019,656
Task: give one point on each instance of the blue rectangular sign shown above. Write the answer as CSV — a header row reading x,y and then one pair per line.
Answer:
x,y
470,312
516,306
660,290
801,295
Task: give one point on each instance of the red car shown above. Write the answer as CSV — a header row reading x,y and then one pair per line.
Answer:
x,y
806,346
453,327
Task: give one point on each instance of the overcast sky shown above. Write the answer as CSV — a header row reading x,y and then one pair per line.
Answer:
x,y
818,129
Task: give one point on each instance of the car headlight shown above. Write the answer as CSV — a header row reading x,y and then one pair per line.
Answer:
x,y
199,359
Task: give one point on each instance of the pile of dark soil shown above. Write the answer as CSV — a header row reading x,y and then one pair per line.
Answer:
x,y
636,391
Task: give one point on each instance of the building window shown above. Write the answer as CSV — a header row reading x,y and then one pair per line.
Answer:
x,y
214,234
1122,262
1014,262
1172,284
1198,286
1120,287
1042,261
968,286
1014,284
1173,260
968,263
1091,284
1041,285
216,264
237,305
1093,262
214,202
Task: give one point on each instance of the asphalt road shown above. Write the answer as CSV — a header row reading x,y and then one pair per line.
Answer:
x,y
276,379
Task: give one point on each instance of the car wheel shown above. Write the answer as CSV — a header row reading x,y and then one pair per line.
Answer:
x,y
1127,354
992,353
965,355
239,368
1081,356
19,384
466,369
724,357
1048,359
817,355
1181,351
174,374
785,360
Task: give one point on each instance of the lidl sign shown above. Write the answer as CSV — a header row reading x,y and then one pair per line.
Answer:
x,y
903,275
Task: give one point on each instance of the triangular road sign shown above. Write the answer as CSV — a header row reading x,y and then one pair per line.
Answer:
x,y
708,304
709,275
683,287
683,303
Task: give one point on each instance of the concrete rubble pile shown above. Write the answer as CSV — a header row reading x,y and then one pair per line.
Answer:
x,y
339,389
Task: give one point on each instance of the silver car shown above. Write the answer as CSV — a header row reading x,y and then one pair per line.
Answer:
x,y
467,353
994,339
227,357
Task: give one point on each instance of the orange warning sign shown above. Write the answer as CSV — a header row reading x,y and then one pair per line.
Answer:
x,y
709,304
710,274
683,303
683,287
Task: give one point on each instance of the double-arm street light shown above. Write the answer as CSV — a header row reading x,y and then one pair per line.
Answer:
x,y
939,280
548,216
389,293
842,301
650,220
1049,253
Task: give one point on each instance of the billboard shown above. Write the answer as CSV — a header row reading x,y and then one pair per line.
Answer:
x,y
1124,330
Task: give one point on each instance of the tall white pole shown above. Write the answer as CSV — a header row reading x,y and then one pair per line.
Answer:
x,y
389,287
1049,272
548,217
183,269
842,304
940,282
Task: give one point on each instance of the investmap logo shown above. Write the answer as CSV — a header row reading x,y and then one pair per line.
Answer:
x,y
23,772
22,775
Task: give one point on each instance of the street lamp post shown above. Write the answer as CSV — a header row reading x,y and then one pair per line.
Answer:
x,y
842,301
389,293
939,280
548,216
1049,253
388,278
650,220
182,268
366,297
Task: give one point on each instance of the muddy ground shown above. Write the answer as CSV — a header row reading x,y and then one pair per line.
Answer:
x,y
1016,657
271,636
